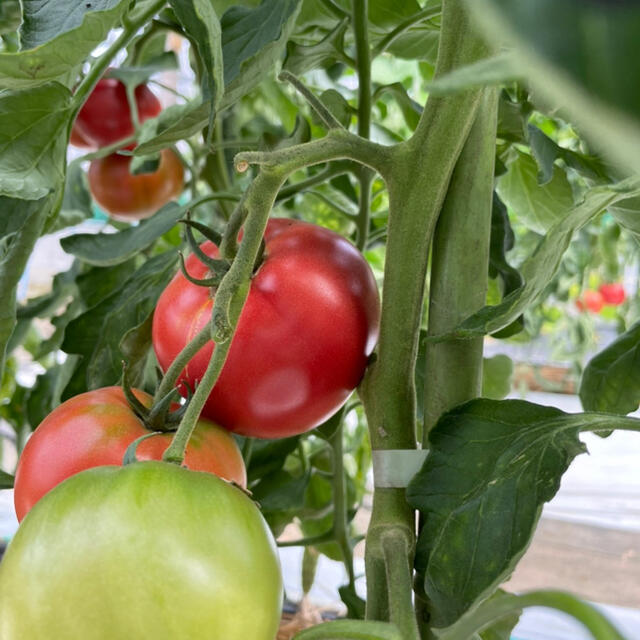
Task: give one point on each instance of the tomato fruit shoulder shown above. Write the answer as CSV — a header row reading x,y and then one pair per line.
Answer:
x,y
94,429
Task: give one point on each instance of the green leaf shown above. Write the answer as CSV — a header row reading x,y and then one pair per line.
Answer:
x,y
33,140
46,393
490,71
43,21
611,379
350,630
302,58
542,265
503,628
627,214
76,200
6,480
252,42
538,206
502,241
199,20
546,151
135,346
20,226
58,37
497,375
134,76
10,16
97,333
268,456
411,110
106,249
491,467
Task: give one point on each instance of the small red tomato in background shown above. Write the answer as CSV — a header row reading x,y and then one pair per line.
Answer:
x,y
94,429
613,293
591,300
105,117
302,344
128,197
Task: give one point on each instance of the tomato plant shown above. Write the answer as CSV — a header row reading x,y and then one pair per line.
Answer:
x,y
200,561
290,366
105,117
471,153
133,197
94,429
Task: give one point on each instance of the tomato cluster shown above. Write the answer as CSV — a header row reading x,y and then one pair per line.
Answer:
x,y
116,532
104,119
612,294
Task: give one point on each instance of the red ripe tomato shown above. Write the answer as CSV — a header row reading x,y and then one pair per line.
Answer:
x,y
128,197
302,343
613,293
94,429
591,300
78,140
105,117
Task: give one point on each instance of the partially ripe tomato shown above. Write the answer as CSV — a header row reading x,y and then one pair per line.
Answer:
x,y
105,117
150,550
134,197
95,428
613,293
303,340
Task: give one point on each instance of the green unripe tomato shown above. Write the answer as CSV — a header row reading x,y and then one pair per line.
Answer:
x,y
147,551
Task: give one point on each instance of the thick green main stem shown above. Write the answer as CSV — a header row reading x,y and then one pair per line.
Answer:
x,y
459,270
388,390
397,558
459,278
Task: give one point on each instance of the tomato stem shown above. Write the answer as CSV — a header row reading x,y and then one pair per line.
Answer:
x,y
229,301
360,19
415,199
397,556
324,114
177,366
102,63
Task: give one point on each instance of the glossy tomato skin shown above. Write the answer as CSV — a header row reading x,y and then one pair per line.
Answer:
x,y
95,428
303,340
105,117
613,293
128,197
150,550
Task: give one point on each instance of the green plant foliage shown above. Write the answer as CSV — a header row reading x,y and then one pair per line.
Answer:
x,y
56,38
538,206
542,265
97,333
491,467
107,249
611,379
